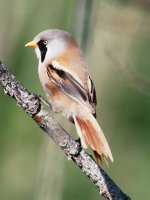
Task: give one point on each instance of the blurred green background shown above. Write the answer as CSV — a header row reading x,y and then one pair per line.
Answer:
x,y
115,38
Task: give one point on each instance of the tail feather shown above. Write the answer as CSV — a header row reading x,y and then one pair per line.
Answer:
x,y
91,135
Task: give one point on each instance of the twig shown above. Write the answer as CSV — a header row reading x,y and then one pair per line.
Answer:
x,y
31,104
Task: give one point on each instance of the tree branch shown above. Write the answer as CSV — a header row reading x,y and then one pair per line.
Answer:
x,y
31,104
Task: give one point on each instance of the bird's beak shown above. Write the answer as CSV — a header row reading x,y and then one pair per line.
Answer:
x,y
31,44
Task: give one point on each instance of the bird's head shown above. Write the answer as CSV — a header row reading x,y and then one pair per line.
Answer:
x,y
51,43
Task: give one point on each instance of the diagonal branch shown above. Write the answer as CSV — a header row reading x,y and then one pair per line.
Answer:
x,y
32,106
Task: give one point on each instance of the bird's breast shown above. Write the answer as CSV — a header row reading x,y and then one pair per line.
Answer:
x,y
48,86
57,98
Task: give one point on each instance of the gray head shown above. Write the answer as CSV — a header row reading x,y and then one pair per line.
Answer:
x,y
51,43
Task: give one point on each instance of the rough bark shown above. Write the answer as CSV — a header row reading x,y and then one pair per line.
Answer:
x,y
31,104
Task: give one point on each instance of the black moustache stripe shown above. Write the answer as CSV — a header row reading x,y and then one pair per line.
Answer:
x,y
43,50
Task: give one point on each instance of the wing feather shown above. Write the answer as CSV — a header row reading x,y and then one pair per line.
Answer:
x,y
92,93
69,85
72,87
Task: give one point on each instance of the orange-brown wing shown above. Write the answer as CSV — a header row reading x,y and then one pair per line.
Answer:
x,y
69,85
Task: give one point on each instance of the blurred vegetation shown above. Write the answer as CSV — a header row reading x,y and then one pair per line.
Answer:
x,y
115,38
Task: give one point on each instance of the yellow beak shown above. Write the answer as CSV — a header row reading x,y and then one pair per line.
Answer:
x,y
31,44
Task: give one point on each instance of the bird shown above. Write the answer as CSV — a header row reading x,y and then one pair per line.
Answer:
x,y
69,87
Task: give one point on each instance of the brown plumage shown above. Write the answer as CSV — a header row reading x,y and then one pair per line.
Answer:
x,y
68,86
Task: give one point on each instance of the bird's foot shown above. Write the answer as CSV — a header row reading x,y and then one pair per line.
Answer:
x,y
78,141
44,101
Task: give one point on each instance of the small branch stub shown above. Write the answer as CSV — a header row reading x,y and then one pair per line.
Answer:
x,y
31,104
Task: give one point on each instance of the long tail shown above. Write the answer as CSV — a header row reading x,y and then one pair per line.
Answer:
x,y
91,134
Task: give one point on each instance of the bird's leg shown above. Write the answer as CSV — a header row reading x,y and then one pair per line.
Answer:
x,y
44,101
78,141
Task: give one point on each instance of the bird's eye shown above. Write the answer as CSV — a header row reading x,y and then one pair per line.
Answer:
x,y
45,42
